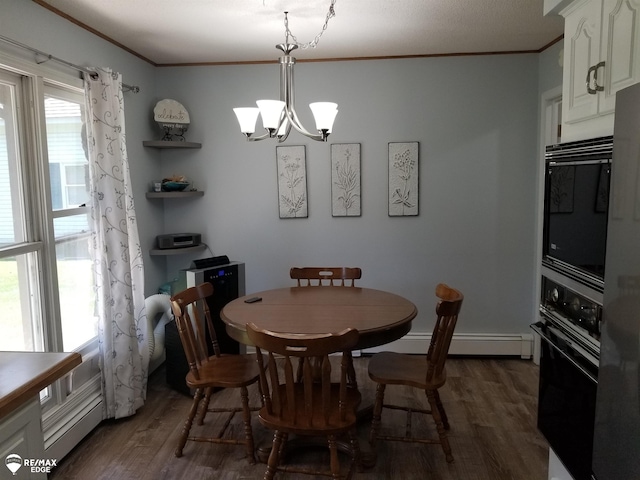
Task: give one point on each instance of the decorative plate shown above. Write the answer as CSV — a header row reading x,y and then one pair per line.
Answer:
x,y
172,118
170,111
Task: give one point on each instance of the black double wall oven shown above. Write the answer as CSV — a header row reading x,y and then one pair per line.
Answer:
x,y
572,285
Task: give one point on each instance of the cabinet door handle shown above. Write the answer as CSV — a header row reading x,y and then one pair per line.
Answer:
x,y
597,88
591,91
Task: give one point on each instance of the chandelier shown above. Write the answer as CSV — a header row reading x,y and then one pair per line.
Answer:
x,y
279,116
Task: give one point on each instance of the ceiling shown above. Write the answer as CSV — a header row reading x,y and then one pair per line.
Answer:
x,y
220,31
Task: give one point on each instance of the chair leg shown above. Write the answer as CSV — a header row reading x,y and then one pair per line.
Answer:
x,y
274,456
377,413
204,406
333,453
435,412
187,424
283,448
248,432
443,414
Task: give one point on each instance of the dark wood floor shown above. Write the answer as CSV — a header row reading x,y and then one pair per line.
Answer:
x,y
491,404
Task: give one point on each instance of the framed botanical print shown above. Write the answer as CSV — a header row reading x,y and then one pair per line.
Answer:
x,y
292,181
403,179
345,180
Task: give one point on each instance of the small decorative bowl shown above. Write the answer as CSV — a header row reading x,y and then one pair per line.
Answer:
x,y
171,186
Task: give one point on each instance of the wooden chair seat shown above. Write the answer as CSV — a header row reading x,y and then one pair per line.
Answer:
x,y
426,373
226,371
208,372
394,368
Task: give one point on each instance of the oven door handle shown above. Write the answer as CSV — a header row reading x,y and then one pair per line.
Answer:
x,y
539,331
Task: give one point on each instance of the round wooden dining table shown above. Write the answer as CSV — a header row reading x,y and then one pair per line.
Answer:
x,y
380,317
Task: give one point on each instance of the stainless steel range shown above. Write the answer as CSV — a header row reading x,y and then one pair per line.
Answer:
x,y
570,317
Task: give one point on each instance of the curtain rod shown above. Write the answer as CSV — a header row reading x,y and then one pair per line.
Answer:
x,y
48,56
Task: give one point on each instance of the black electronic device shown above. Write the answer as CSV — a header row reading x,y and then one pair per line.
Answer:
x,y
210,262
178,240
176,365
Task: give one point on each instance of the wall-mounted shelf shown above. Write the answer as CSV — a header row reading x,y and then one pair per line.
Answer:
x,y
177,251
170,144
196,193
173,195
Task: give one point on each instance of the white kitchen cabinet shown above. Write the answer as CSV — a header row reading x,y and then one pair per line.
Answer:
x,y
601,57
620,47
21,434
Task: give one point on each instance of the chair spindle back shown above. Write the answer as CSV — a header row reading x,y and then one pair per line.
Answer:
x,y
193,319
326,276
282,390
447,310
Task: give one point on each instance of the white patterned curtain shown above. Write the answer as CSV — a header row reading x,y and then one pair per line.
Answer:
x,y
116,249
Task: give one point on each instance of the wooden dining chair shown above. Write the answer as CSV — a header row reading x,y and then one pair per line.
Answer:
x,y
425,373
326,276
309,406
210,369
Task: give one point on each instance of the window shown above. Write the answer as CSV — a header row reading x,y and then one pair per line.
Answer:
x,y
20,253
68,171
46,279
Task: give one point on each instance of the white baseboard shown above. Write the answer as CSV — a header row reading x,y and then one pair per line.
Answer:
x,y
490,344
65,426
475,344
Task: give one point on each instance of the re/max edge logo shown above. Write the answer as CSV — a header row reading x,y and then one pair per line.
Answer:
x,y
14,462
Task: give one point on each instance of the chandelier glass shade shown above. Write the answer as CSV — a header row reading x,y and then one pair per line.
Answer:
x,y
279,116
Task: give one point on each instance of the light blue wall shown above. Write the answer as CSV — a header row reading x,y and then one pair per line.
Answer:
x,y
476,119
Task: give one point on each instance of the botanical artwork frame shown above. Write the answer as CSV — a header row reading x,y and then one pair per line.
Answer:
x,y
345,180
404,179
292,181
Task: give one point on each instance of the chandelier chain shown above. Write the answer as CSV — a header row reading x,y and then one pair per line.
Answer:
x,y
312,44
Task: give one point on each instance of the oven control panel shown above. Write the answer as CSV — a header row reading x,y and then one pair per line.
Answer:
x,y
580,311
